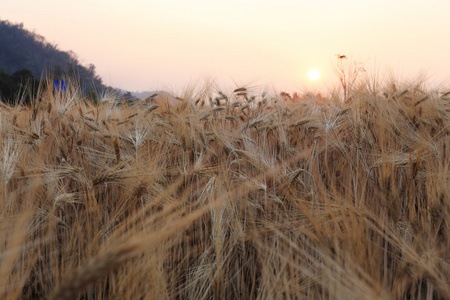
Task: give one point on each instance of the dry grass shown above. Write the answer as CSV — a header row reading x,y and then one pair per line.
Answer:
x,y
227,197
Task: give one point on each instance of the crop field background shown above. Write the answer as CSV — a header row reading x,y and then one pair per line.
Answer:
x,y
227,196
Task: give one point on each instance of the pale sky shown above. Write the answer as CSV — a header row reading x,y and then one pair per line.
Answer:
x,y
148,45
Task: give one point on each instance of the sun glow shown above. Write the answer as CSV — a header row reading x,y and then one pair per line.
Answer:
x,y
314,74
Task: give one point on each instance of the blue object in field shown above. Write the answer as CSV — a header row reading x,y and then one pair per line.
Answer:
x,y
59,85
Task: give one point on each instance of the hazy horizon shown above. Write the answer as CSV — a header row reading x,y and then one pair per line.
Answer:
x,y
169,45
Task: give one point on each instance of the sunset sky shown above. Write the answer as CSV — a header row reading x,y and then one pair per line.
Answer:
x,y
148,45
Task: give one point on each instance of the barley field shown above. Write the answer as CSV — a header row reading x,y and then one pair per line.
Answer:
x,y
227,196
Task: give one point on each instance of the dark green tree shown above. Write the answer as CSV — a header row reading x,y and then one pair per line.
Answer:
x,y
20,87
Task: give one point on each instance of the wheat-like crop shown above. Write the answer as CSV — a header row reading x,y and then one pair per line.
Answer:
x,y
227,196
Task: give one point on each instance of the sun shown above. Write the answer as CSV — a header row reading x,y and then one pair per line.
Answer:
x,y
314,74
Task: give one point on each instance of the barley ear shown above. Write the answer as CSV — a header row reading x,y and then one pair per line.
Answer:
x,y
99,267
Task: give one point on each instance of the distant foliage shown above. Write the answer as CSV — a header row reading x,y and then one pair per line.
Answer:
x,y
20,87
26,57
22,49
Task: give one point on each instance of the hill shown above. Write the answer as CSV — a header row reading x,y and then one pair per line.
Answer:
x,y
22,49
27,56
